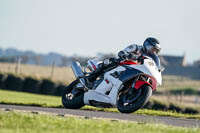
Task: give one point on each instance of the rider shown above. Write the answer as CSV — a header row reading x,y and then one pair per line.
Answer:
x,y
133,52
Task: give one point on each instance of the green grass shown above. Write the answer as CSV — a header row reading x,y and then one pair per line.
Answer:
x,y
15,122
12,97
20,98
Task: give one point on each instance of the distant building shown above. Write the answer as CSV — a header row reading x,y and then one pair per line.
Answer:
x,y
197,63
176,65
169,60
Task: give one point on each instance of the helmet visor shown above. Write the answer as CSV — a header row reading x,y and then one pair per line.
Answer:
x,y
152,49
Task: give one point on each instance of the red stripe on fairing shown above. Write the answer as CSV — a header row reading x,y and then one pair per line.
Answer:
x,y
139,84
127,63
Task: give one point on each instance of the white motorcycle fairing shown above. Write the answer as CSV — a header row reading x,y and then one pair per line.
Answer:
x,y
113,85
149,68
109,83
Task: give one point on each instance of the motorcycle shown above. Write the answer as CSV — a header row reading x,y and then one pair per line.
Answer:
x,y
126,85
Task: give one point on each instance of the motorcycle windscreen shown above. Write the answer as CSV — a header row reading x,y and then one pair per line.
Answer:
x,y
129,74
155,59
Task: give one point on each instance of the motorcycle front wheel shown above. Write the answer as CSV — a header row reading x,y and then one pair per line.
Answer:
x,y
131,102
71,100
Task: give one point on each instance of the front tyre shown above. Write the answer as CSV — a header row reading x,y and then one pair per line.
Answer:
x,y
131,102
71,101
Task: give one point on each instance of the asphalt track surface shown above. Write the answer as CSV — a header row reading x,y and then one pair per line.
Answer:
x,y
181,122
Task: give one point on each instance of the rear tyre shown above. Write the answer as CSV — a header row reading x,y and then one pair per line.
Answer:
x,y
73,102
139,99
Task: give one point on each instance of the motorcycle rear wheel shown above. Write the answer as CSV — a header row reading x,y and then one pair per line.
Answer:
x,y
142,99
76,102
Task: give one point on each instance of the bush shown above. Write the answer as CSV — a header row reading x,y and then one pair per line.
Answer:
x,y
31,85
13,83
176,108
191,111
156,105
60,88
2,81
48,87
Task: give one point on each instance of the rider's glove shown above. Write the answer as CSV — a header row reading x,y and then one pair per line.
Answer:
x,y
122,54
125,55
114,60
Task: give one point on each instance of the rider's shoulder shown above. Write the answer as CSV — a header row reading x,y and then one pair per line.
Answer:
x,y
132,46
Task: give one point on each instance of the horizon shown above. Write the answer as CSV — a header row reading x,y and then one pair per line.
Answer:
x,y
179,55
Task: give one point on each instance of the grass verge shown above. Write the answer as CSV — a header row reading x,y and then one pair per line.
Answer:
x,y
15,122
20,98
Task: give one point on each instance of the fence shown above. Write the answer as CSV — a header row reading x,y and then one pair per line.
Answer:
x,y
58,74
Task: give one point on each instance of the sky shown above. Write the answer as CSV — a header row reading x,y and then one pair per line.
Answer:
x,y
88,27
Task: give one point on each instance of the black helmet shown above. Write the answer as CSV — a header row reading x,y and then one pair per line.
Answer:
x,y
151,46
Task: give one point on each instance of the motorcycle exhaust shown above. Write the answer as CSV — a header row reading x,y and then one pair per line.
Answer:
x,y
78,72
